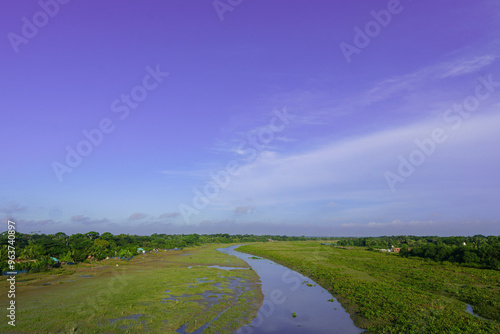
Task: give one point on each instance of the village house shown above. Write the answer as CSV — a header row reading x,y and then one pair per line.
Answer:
x,y
391,250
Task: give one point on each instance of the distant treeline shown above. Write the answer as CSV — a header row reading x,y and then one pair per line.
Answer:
x,y
476,251
35,252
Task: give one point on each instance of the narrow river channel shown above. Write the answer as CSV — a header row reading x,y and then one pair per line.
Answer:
x,y
292,302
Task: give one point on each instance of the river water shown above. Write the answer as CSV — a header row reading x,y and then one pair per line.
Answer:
x,y
288,293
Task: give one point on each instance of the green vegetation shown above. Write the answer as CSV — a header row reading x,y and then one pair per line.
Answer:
x,y
388,293
308,284
477,251
157,292
35,251
424,288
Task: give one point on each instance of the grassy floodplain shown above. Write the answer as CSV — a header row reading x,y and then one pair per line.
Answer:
x,y
155,292
386,293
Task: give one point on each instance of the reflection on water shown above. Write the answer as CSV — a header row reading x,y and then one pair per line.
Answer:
x,y
292,302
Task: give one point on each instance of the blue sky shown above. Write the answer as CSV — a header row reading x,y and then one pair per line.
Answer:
x,y
304,118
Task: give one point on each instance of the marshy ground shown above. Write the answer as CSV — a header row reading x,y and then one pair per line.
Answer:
x,y
386,293
164,292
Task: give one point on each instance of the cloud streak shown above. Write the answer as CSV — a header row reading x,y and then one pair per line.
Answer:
x,y
353,169
11,208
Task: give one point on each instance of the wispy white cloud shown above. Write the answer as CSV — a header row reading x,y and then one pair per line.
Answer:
x,y
353,169
463,67
389,87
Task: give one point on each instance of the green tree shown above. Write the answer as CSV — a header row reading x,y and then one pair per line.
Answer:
x,y
92,235
32,252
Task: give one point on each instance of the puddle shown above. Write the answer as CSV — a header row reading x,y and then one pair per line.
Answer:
x,y
86,276
43,284
203,280
221,267
130,317
182,329
470,310
211,297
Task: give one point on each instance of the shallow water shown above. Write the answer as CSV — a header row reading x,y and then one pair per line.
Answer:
x,y
470,310
130,317
287,292
219,267
211,297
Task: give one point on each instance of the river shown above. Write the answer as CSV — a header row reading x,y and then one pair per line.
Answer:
x,y
293,303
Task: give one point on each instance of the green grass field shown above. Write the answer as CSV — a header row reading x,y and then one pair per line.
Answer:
x,y
155,292
385,293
